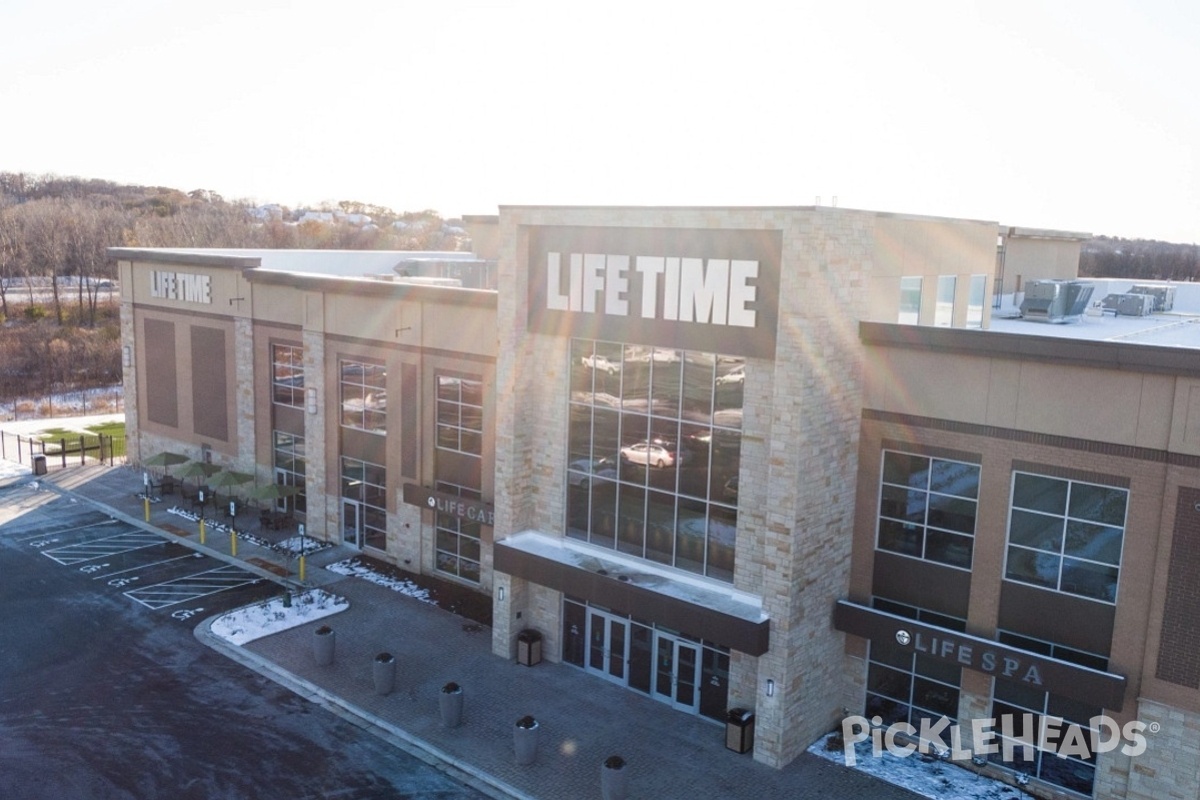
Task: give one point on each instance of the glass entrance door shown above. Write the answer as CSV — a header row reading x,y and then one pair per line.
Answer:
x,y
352,523
677,672
608,646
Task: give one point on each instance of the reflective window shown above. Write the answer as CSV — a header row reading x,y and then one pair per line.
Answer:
x,y
943,313
457,545
363,388
910,301
366,484
1049,752
654,447
927,508
1066,535
289,461
460,414
287,375
905,686
975,300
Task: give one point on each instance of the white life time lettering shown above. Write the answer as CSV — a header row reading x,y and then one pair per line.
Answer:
x,y
715,291
180,286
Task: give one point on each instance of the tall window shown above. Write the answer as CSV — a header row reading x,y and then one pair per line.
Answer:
x,y
364,395
290,469
460,414
905,686
975,300
927,508
287,375
1027,706
943,313
366,484
1066,535
458,538
910,301
654,449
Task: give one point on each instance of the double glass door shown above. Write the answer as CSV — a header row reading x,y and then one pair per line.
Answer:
x,y
675,675
352,523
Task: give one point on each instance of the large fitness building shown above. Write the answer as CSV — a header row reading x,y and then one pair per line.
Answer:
x,y
781,459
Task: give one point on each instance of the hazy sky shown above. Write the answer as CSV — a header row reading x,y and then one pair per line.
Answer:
x,y
1082,116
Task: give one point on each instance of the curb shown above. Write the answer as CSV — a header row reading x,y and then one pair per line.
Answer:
x,y
452,766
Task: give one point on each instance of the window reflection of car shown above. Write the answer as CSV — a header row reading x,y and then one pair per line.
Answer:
x,y
651,454
581,470
601,364
737,375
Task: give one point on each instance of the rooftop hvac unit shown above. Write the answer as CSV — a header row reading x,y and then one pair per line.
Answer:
x,y
1164,296
1129,305
1055,301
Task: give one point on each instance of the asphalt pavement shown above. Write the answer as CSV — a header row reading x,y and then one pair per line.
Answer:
x,y
581,719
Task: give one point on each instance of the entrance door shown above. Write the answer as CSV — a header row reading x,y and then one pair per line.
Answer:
x,y
677,672
285,505
352,523
608,646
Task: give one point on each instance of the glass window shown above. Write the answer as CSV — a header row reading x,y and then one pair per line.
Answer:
x,y
653,452
903,686
943,313
927,508
910,301
363,388
457,545
460,414
287,375
975,299
1035,754
290,469
366,483
1066,535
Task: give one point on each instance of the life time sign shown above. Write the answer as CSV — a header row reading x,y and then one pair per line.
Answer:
x,y
444,503
713,290
184,286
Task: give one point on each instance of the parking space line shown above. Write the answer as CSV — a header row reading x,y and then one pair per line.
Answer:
x,y
147,566
191,587
45,533
102,548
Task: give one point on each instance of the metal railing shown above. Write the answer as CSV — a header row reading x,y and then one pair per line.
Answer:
x,y
62,451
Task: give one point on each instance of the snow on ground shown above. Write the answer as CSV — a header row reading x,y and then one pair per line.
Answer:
x,y
932,778
279,614
354,567
11,471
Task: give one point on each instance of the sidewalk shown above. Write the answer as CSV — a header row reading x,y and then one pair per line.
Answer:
x,y
583,719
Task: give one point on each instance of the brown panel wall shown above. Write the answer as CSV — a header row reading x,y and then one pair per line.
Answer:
x,y
288,419
408,421
1054,617
921,583
1179,647
364,446
162,393
210,383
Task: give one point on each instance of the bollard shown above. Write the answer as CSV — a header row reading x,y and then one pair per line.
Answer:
x,y
302,569
384,673
232,542
201,530
146,503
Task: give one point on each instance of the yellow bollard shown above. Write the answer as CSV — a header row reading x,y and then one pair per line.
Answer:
x,y
232,542
202,530
302,569
146,503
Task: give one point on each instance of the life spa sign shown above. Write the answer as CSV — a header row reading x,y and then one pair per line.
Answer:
x,y
693,289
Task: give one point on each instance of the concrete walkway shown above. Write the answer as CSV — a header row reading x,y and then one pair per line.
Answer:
x,y
582,719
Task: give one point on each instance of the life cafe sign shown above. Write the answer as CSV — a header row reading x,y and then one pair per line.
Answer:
x,y
184,286
1034,670
695,289
452,504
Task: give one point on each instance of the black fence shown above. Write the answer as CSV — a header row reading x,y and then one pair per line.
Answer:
x,y
60,452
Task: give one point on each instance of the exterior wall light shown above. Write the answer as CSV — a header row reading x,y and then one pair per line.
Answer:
x,y
310,399
770,687
500,594
126,356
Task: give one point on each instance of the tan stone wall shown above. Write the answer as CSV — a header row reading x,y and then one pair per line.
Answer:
x,y
1170,767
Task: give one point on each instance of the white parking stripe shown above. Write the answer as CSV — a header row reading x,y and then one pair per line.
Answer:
x,y
202,584
102,548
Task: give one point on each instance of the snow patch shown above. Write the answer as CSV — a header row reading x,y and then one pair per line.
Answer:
x,y
357,569
279,614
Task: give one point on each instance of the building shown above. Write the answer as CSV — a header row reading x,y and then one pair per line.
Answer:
x,y
730,457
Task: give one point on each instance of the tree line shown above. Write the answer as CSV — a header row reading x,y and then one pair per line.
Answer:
x,y
55,231
1139,259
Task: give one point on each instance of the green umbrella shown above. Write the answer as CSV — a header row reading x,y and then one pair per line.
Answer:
x,y
197,469
273,491
227,478
166,459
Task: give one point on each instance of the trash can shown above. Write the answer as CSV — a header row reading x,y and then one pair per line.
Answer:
x,y
739,730
383,672
39,465
529,647
323,642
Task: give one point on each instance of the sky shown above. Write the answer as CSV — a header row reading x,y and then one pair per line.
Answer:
x,y
1067,114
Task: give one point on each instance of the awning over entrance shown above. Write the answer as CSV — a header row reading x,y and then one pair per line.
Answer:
x,y
695,607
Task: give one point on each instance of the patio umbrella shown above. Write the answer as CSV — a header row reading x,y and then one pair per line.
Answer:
x,y
166,459
197,469
273,492
227,478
